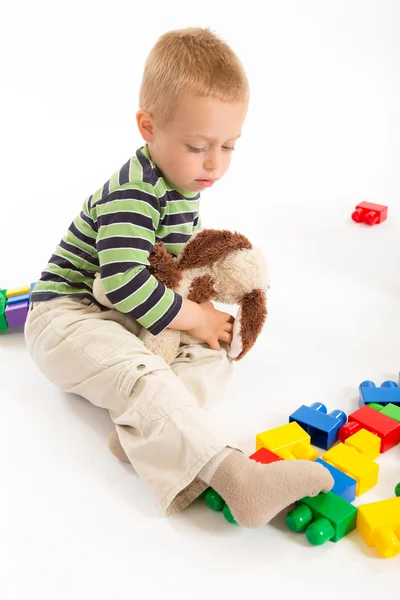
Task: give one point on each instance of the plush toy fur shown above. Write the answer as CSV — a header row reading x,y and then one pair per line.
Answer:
x,y
217,265
214,265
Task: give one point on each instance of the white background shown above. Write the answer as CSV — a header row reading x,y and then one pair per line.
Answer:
x,y
322,134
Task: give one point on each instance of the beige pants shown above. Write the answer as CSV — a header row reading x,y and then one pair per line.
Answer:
x,y
158,409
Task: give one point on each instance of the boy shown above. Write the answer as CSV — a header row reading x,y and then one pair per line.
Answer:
x,y
193,102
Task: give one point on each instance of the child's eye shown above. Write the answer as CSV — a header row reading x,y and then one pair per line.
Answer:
x,y
193,149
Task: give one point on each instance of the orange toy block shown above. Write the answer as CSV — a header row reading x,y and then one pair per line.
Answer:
x,y
289,441
379,524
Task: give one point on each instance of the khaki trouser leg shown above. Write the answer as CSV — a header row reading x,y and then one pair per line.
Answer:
x,y
165,433
205,372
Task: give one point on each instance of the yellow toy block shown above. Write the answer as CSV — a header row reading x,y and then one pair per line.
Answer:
x,y
364,470
25,289
366,443
289,441
379,524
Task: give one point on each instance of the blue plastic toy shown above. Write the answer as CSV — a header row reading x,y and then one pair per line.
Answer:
x,y
345,486
387,393
322,428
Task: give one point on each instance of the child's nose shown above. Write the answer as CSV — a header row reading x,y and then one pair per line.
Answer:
x,y
212,161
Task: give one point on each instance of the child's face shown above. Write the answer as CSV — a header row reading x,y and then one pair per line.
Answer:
x,y
195,148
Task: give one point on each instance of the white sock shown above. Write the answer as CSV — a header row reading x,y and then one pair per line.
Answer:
x,y
207,472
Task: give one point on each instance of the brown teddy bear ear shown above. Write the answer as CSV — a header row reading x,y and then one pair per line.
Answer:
x,y
249,322
163,266
210,245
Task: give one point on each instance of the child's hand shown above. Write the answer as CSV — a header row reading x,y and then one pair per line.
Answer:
x,y
212,325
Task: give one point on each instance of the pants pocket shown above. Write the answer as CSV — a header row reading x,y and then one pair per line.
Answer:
x,y
158,396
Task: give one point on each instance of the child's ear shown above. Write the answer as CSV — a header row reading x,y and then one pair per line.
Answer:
x,y
144,122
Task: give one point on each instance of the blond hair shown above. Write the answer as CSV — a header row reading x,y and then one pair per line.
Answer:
x,y
191,60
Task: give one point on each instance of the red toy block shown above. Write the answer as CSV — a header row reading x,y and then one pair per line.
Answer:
x,y
369,213
265,456
367,418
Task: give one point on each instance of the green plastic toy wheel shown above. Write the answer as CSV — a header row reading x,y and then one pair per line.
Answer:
x,y
397,490
298,518
320,532
214,500
228,515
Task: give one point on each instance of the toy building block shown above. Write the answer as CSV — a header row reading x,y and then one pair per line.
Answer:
x,y
16,314
265,456
390,410
370,213
324,517
371,420
379,525
18,299
323,428
345,486
364,470
3,302
216,502
288,441
397,490
25,289
388,392
365,443
32,285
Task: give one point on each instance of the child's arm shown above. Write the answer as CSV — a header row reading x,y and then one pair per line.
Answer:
x,y
126,222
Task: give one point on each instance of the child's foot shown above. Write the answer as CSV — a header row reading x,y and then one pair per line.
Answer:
x,y
255,493
115,446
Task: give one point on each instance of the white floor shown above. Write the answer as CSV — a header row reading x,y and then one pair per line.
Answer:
x,y
322,135
75,523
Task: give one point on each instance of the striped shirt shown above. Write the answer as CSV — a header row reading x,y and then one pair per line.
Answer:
x,y
114,234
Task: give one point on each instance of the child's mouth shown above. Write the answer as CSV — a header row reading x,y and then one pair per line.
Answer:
x,y
205,182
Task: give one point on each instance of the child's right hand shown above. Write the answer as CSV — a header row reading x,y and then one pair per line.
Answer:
x,y
212,325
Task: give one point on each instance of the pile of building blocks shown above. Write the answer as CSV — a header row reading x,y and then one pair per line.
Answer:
x,y
351,445
14,306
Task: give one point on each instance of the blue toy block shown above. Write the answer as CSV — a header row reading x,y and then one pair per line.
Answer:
x,y
18,299
322,428
345,486
387,393
32,285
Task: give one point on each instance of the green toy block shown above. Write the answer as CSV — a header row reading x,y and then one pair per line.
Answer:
x,y
3,302
397,490
390,410
214,500
324,517
228,515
